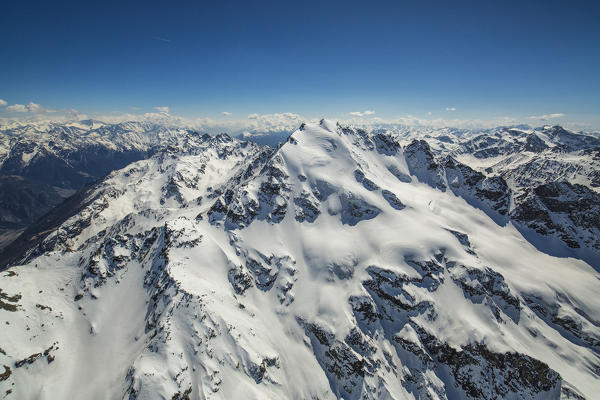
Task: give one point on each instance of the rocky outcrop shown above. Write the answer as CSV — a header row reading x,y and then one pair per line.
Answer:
x,y
422,164
570,212
483,191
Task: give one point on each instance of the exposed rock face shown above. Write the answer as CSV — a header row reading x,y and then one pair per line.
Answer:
x,y
422,164
307,207
475,186
500,374
487,287
266,197
569,212
393,200
355,209
535,144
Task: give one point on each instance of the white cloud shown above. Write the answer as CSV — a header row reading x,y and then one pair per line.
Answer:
x,y
547,116
450,108
274,122
429,113
254,124
362,114
262,124
17,108
164,110
31,107
74,114
3,103
408,121
226,113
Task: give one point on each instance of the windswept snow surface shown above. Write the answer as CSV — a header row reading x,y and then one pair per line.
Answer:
x,y
341,264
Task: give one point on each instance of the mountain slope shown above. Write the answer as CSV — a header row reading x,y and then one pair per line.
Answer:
x,y
338,265
46,163
527,157
20,202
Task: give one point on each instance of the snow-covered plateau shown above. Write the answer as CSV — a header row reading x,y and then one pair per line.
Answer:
x,y
343,263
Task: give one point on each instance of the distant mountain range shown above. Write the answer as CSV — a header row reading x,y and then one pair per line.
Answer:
x,y
43,164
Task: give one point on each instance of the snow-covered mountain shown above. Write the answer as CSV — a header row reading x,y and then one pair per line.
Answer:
x,y
67,155
525,157
41,164
340,264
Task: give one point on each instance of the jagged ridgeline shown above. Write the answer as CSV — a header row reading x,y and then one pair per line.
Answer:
x,y
43,164
340,264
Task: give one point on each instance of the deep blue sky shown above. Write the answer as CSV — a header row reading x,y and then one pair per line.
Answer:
x,y
486,59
